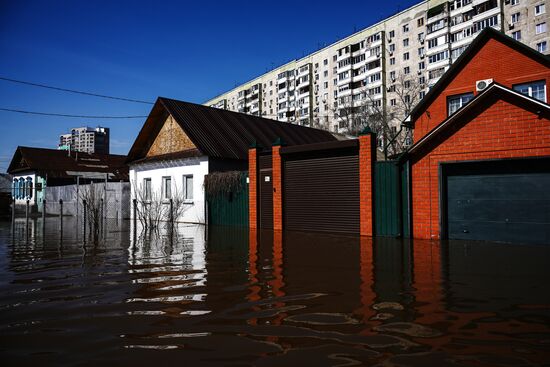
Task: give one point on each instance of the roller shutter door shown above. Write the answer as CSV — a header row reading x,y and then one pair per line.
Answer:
x,y
321,194
510,204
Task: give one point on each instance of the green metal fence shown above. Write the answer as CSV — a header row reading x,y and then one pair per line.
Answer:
x,y
229,209
387,199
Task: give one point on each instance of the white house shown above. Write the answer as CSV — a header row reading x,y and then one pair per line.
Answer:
x,y
180,143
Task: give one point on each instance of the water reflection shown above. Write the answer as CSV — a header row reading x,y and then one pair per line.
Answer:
x,y
227,296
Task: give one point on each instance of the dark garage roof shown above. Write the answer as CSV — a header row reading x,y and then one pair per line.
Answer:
x,y
221,133
58,163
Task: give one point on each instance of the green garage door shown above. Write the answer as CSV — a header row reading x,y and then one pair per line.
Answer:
x,y
504,201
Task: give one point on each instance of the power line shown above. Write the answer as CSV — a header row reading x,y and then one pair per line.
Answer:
x,y
70,116
74,91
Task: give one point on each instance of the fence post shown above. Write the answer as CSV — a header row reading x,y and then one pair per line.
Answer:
x,y
44,215
61,215
84,219
27,220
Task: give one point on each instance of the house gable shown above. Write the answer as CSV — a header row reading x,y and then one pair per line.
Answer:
x,y
494,57
170,139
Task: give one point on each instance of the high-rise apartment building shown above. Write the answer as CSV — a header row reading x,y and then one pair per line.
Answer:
x,y
386,66
86,139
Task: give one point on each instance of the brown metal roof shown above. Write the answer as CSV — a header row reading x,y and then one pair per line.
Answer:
x,y
58,163
221,133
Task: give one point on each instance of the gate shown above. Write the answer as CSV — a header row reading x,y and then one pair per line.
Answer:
x,y
387,199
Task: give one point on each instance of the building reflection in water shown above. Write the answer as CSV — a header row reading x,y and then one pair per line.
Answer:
x,y
230,295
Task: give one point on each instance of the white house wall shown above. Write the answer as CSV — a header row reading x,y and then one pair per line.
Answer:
x,y
176,169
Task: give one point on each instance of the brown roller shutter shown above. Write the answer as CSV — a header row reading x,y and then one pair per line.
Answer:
x,y
321,194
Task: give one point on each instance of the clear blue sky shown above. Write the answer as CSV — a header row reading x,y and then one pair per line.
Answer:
x,y
135,49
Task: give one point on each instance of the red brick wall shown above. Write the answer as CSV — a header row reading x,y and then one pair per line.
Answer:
x,y
277,189
252,188
502,130
366,169
495,60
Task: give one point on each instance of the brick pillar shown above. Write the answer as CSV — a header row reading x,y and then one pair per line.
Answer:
x,y
253,187
277,186
367,157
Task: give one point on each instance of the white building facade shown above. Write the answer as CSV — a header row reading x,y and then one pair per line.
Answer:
x,y
182,178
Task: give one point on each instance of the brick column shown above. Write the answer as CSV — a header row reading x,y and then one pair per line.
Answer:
x,y
277,186
253,187
367,157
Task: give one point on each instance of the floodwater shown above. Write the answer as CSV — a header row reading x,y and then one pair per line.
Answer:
x,y
227,297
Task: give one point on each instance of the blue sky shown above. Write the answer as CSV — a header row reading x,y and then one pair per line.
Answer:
x,y
141,50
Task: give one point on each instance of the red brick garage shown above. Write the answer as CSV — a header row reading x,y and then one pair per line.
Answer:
x,y
480,165
500,135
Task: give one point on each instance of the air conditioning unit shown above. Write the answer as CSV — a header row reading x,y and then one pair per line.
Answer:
x,y
483,84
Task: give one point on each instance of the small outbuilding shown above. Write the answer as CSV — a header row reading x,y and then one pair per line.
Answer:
x,y
480,165
181,142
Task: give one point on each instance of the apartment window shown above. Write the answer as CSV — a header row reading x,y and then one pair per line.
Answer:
x,y
405,42
392,61
407,84
325,73
405,28
454,103
542,47
407,70
421,36
392,75
334,58
392,47
325,62
514,2
420,22
535,90
393,102
432,43
392,34
188,187
540,9
422,80
515,18
421,51
406,56
166,187
335,81
516,35
421,65
325,84
147,194
421,95
540,28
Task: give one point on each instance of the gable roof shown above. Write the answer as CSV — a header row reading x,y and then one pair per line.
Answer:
x,y
58,163
221,133
495,90
487,34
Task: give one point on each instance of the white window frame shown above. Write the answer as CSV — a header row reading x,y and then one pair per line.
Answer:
x,y
461,99
540,9
527,89
514,18
186,197
542,46
166,195
540,28
147,189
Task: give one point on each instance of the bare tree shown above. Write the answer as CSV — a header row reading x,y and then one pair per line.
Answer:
x,y
385,121
92,195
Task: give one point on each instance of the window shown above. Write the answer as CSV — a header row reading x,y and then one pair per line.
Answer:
x,y
188,187
540,28
325,74
420,22
405,42
406,56
405,28
392,34
392,61
392,47
393,102
535,90
515,18
514,2
147,189
406,70
454,103
516,35
540,9
166,187
541,46
421,51
421,65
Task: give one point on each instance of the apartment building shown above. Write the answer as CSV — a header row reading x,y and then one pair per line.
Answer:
x,y
87,139
388,66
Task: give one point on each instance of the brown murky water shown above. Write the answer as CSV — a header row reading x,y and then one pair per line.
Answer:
x,y
227,297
